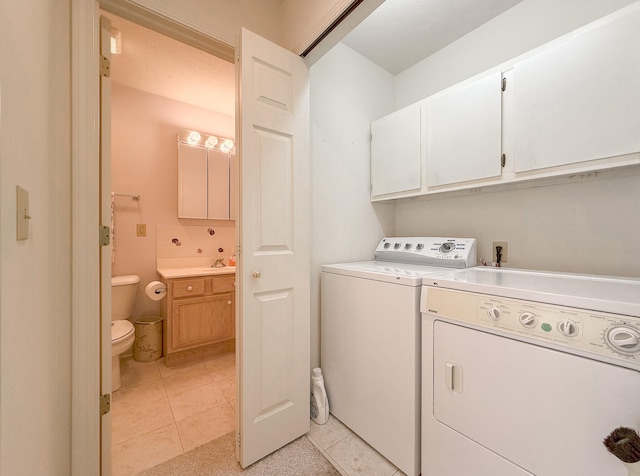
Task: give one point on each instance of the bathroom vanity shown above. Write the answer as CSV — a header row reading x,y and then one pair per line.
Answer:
x,y
199,312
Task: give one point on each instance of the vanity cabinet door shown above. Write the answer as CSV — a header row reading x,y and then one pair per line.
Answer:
x,y
218,185
200,321
464,132
580,99
192,181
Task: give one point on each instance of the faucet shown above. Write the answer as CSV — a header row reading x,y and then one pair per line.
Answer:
x,y
219,263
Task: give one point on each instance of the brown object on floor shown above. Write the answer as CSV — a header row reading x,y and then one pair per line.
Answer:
x,y
217,458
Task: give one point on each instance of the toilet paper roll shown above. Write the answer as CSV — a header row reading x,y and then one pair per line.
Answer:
x,y
155,290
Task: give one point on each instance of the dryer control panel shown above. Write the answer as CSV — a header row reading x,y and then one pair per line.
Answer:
x,y
611,337
428,251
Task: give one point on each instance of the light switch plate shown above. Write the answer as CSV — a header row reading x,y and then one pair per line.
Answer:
x,y
141,229
22,214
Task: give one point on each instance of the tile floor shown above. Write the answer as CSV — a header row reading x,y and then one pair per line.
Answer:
x,y
160,413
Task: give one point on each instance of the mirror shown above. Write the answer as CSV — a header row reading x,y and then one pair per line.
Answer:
x,y
206,171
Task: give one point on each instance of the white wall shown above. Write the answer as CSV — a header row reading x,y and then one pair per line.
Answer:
x,y
528,25
590,226
35,275
347,93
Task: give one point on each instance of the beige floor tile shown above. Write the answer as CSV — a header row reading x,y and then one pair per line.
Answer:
x,y
234,405
328,434
327,456
222,363
137,373
145,451
227,385
356,457
188,379
178,369
129,420
207,426
196,400
140,394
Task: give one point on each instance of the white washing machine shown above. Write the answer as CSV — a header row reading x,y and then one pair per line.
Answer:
x,y
525,373
370,340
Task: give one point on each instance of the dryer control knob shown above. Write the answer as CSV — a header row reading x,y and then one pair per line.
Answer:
x,y
624,339
528,320
494,314
568,328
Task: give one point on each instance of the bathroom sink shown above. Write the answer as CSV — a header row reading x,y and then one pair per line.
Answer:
x,y
170,273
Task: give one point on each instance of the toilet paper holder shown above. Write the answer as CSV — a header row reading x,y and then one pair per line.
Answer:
x,y
155,290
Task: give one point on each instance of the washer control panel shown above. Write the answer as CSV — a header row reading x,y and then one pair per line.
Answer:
x,y
609,335
429,251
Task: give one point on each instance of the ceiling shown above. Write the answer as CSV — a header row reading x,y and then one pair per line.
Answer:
x,y
395,36
400,33
160,65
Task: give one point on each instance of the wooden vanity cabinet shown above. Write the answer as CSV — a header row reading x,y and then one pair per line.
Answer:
x,y
199,317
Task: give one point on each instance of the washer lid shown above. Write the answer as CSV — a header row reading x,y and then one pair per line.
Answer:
x,y
120,330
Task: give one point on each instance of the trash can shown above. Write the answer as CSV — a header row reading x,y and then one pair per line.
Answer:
x,y
147,346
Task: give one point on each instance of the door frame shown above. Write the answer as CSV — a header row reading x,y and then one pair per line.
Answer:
x,y
86,444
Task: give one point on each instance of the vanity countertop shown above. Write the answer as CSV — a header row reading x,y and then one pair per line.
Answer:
x,y
171,273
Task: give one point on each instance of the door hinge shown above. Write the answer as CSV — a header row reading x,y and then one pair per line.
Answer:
x,y
504,84
105,66
503,160
105,235
105,404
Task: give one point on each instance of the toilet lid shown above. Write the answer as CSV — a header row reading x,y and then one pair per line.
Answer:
x,y
120,330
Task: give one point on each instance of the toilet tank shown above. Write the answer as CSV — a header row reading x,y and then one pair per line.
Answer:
x,y
123,296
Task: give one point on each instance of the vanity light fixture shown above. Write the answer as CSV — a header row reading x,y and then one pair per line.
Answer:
x,y
201,139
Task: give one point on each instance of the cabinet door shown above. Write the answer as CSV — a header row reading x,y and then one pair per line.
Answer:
x,y
580,100
464,132
200,321
218,185
192,181
395,152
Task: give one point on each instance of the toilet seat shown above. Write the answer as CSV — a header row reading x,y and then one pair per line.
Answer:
x,y
120,330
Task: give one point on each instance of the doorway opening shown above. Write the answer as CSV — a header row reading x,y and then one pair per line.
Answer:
x,y
160,86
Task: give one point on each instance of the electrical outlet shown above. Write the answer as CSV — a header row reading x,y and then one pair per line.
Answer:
x,y
141,229
505,249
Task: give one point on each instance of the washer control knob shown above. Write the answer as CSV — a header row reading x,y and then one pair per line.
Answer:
x,y
528,320
419,246
624,339
568,328
494,314
387,245
408,246
447,247
397,246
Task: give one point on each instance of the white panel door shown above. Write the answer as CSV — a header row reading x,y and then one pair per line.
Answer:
x,y
105,251
396,163
580,100
274,285
464,132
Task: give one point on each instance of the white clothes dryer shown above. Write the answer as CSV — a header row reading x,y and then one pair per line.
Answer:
x,y
526,372
370,340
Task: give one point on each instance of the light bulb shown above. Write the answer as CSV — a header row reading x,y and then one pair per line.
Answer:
x,y
211,142
193,138
227,145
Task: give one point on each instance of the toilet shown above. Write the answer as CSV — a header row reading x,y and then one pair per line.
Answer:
x,y
123,300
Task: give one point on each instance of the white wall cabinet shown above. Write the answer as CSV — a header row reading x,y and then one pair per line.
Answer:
x,y
580,99
571,107
396,164
205,183
464,132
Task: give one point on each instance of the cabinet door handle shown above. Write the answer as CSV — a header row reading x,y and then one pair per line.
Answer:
x,y
256,274
229,302
189,288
